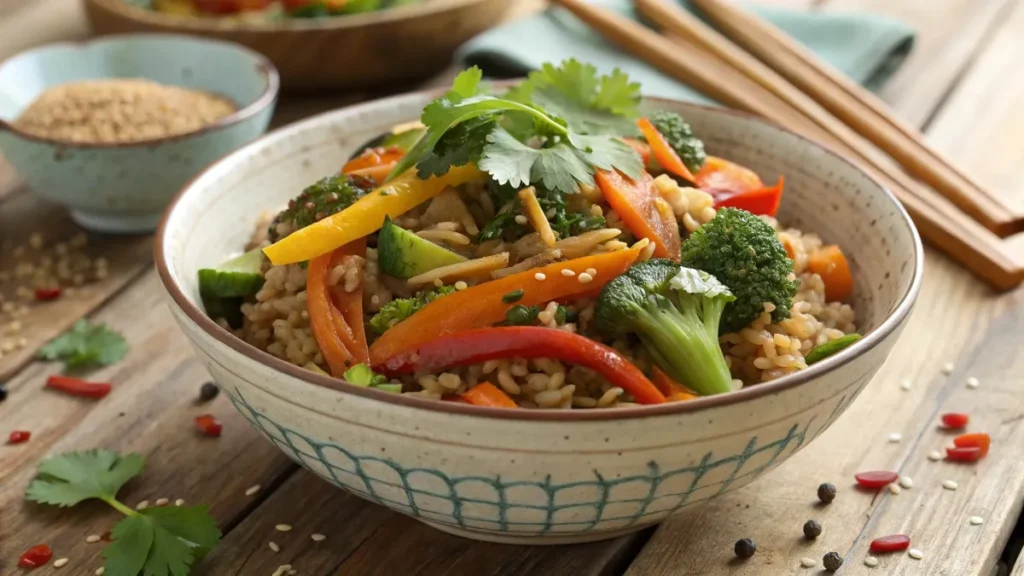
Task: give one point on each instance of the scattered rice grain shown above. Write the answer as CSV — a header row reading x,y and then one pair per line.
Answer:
x,y
283,527
906,482
808,562
973,382
950,485
252,490
935,456
976,520
871,561
895,437
93,538
162,501
60,562
273,546
318,537
895,489
915,553
947,368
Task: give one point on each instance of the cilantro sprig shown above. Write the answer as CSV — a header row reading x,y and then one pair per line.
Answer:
x,y
160,541
86,345
555,129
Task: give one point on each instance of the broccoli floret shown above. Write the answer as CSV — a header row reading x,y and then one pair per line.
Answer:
x,y
681,138
744,253
327,197
674,311
401,308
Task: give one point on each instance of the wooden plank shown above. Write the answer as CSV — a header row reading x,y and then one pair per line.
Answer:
x,y
363,538
150,412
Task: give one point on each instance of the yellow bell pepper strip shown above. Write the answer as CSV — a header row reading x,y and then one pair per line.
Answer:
x,y
663,152
365,216
643,210
483,306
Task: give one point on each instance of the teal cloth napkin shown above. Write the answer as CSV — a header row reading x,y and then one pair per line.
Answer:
x,y
868,48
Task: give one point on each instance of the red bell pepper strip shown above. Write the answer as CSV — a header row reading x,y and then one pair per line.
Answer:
x,y
663,152
208,425
725,176
474,346
892,543
78,387
642,209
966,454
978,440
955,420
487,394
762,201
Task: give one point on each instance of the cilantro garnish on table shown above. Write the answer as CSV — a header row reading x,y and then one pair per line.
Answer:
x,y
85,345
160,541
553,130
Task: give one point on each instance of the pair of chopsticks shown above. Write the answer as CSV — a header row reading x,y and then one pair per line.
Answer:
x,y
780,81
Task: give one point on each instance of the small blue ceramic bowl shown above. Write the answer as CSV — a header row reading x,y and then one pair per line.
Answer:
x,y
124,187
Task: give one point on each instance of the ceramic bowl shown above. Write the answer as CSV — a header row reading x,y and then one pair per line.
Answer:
x,y
534,476
125,187
402,44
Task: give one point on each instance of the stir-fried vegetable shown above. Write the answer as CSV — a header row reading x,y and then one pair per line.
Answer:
x,y
675,312
830,263
483,305
643,209
822,351
664,154
680,137
743,252
365,216
350,303
401,308
484,344
325,198
763,201
323,317
487,394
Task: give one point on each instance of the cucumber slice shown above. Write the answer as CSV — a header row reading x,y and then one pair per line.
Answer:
x,y
403,254
237,277
822,351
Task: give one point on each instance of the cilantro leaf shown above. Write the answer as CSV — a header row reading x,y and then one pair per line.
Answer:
x,y
560,167
193,524
126,555
86,344
160,541
609,153
458,147
467,83
68,479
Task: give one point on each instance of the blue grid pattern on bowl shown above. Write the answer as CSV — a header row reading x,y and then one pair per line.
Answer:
x,y
526,506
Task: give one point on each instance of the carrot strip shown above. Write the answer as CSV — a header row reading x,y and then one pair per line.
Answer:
x,y
667,385
482,306
378,174
641,148
487,394
663,152
350,305
372,157
643,210
323,318
830,263
680,397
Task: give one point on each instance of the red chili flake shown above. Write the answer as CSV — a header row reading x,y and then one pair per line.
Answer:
x,y
19,436
955,420
975,440
893,543
106,537
876,479
78,387
208,425
45,294
36,556
965,454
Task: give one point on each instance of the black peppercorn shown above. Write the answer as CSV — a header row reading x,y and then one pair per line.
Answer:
x,y
3,392
812,529
208,392
827,493
745,548
832,561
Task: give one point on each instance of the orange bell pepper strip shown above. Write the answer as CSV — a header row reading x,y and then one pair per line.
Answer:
x,y
663,152
481,306
373,157
349,306
324,317
366,215
640,147
762,201
718,175
487,394
643,210
830,263
378,174
979,440
669,387
480,345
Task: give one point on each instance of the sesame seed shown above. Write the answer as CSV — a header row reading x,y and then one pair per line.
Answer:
x,y
282,570
808,562
935,456
93,538
906,385
973,383
567,273
539,276
273,546
895,437
592,271
60,563
162,501
894,489
947,368
976,520
252,490
179,502
950,485
915,553
460,285
906,482
142,505
438,283
520,219
585,278
318,537
871,561
100,571
283,527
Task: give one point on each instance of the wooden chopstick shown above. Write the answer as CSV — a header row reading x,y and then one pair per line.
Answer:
x,y
938,221
861,110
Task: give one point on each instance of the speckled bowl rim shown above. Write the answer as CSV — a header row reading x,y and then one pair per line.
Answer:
x,y
263,67
346,22
847,355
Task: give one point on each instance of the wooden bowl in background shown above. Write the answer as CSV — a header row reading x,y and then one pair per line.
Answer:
x,y
401,44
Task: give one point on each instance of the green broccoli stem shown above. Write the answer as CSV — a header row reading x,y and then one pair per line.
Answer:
x,y
684,347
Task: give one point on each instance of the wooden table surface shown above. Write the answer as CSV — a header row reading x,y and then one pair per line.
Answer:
x,y
962,85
